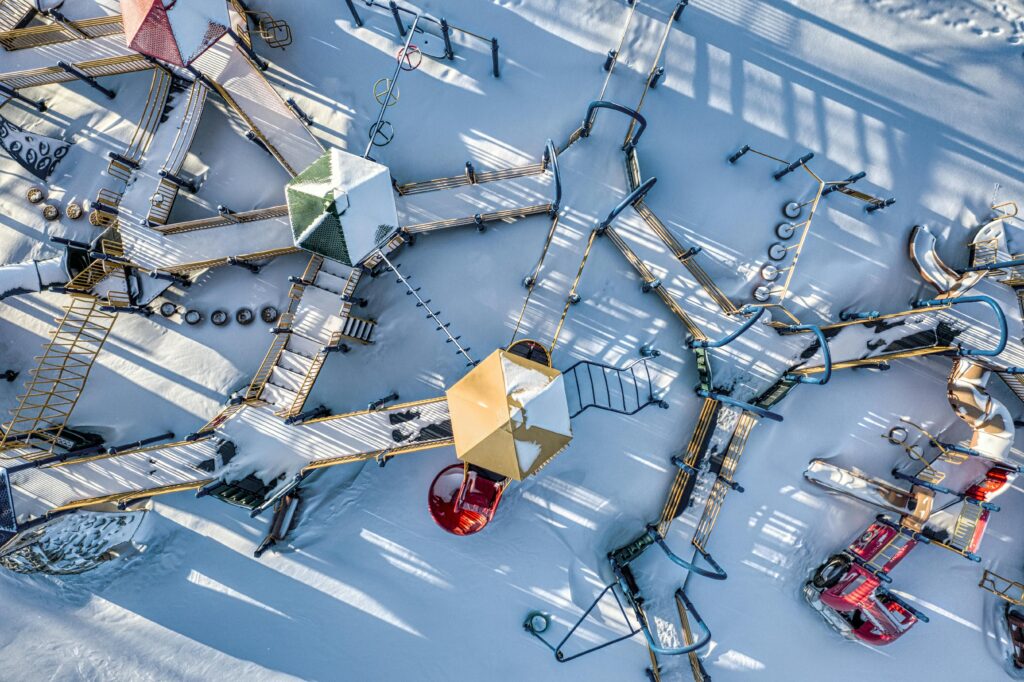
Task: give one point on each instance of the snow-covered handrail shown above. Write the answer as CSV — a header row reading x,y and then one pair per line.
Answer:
x,y
987,300
826,355
588,121
725,340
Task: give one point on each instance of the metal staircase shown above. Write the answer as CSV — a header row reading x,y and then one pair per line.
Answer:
x,y
60,377
626,391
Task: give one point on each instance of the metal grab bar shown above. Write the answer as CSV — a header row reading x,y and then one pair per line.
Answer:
x,y
717,573
726,340
704,638
987,300
631,198
551,156
826,355
588,122
759,411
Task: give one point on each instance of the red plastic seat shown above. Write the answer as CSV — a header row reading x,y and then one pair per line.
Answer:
x,y
463,502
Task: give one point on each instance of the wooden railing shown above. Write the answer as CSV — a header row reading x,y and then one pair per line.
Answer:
x,y
58,32
224,220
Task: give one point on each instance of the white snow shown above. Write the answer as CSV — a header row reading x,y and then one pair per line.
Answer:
x,y
924,96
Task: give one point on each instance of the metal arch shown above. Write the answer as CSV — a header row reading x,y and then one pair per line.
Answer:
x,y
987,300
551,156
724,341
826,355
588,122
630,199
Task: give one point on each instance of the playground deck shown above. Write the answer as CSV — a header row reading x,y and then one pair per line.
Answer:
x,y
164,468
102,56
451,207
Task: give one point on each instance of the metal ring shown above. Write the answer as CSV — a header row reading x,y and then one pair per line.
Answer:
x,y
409,58
380,92
381,133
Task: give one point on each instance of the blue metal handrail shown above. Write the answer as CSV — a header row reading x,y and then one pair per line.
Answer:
x,y
717,572
552,157
726,340
987,300
631,198
588,122
992,266
699,642
759,411
826,355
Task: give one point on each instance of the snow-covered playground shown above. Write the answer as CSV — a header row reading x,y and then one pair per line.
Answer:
x,y
526,339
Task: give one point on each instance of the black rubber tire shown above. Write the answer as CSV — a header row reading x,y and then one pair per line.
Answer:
x,y
269,314
829,573
219,317
244,316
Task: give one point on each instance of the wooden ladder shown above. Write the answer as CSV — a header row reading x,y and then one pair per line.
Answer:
x,y
60,377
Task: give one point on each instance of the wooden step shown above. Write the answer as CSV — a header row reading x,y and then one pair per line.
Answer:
x,y
286,379
330,283
277,396
300,345
359,329
293,362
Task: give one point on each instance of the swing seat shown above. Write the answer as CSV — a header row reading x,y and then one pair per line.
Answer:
x,y
462,501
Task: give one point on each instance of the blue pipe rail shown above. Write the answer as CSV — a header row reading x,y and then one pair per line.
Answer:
x,y
630,199
717,572
699,642
551,156
987,300
588,122
826,356
759,411
726,340
994,266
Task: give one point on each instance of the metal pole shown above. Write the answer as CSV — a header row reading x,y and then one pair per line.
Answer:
x,y
446,34
39,105
394,80
398,17
355,15
430,313
293,105
778,175
89,80
260,63
494,58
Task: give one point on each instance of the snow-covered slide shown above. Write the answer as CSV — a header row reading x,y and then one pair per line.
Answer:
x,y
991,423
248,93
947,281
